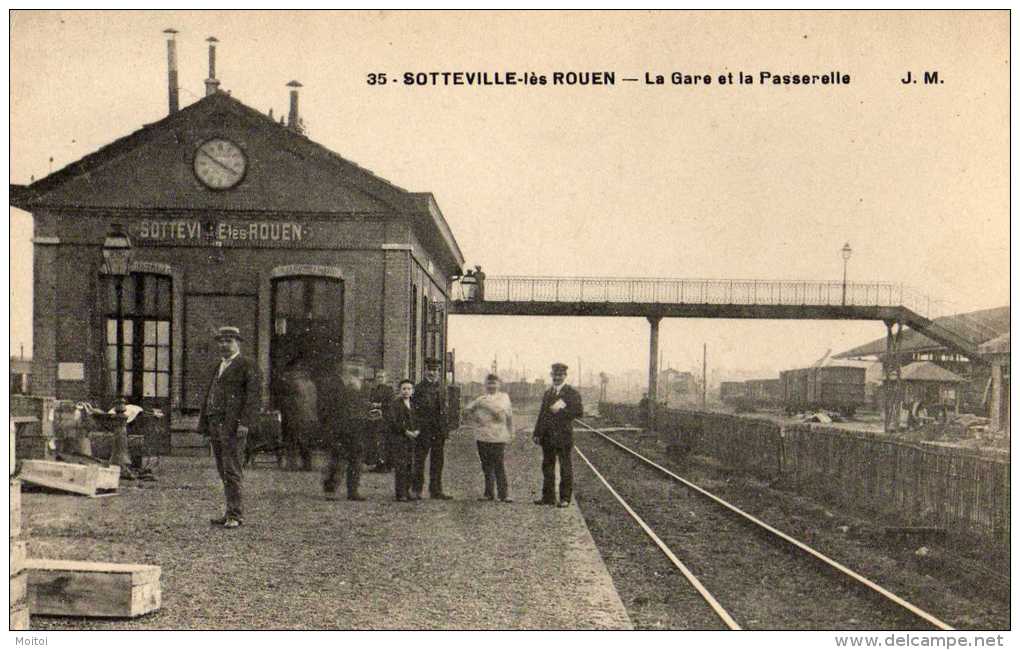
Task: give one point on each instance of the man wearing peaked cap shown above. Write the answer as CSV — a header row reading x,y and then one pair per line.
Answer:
x,y
554,431
229,409
429,401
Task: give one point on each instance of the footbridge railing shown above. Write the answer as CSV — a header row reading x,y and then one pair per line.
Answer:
x,y
932,317
694,291
676,291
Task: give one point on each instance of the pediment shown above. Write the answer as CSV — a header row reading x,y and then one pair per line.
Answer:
x,y
155,168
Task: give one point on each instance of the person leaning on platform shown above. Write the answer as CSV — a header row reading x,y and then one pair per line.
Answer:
x,y
229,409
554,431
430,407
494,414
402,431
344,409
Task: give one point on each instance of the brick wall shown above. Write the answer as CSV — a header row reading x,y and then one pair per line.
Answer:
x,y
69,324
44,319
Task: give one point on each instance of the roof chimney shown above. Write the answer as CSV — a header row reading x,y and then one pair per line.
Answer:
x,y
212,84
171,57
293,118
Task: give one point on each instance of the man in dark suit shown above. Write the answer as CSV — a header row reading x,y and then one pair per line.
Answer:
x,y
554,431
430,407
344,409
228,411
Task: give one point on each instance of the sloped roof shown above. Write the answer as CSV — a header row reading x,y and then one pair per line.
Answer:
x,y
38,189
998,345
987,323
419,207
928,371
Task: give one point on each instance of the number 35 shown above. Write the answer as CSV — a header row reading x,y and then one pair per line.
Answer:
x,y
376,78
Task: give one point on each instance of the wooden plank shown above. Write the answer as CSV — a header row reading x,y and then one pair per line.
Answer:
x,y
100,589
19,587
69,477
18,556
108,478
146,597
19,616
138,573
15,508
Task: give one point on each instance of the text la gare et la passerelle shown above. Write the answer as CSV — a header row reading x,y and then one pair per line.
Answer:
x,y
608,78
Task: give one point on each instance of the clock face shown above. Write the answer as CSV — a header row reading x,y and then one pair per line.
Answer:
x,y
220,164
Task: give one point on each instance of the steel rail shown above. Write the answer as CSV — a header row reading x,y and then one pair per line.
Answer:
x,y
691,578
841,568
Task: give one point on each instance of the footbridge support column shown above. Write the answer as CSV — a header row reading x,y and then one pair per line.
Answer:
x,y
892,380
653,369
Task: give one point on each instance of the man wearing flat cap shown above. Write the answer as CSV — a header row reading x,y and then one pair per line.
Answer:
x,y
429,402
229,409
554,431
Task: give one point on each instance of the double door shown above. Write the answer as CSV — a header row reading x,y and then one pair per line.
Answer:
x,y
307,329
137,325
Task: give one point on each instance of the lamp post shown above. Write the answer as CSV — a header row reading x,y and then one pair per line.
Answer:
x,y
469,287
846,251
117,254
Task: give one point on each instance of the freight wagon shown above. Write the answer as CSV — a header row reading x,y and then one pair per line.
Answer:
x,y
765,393
732,392
831,388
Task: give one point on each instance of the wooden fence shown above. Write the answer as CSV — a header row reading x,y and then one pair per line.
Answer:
x,y
959,491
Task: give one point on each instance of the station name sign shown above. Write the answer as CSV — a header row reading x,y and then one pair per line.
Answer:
x,y
234,233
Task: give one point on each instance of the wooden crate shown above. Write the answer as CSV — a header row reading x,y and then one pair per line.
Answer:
x,y
19,615
99,589
30,441
18,554
15,528
19,575
19,587
90,480
41,408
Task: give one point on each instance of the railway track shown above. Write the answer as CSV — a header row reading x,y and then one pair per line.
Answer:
x,y
769,580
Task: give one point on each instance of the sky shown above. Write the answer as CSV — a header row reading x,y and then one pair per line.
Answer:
x,y
632,180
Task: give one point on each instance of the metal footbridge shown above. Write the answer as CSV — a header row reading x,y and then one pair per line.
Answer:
x,y
657,298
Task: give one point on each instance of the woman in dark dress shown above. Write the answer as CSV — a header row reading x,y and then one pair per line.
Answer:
x,y
403,430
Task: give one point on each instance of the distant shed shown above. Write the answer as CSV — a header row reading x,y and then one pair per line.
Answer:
x,y
997,395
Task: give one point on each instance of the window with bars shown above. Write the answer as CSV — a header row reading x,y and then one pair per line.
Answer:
x,y
138,315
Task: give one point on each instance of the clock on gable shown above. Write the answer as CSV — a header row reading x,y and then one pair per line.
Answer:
x,y
220,164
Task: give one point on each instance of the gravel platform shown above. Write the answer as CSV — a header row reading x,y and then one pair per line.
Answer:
x,y
300,562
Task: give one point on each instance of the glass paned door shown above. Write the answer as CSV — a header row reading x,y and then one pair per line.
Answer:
x,y
138,347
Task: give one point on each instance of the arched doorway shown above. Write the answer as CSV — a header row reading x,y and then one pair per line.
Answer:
x,y
307,325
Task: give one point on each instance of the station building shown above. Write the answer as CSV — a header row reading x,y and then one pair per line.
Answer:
x,y
233,218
